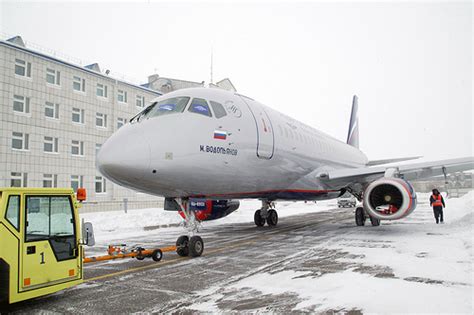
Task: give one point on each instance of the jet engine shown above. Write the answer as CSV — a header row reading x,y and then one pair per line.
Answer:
x,y
207,210
389,199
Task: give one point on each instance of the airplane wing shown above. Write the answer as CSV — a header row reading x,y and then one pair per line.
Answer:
x,y
412,171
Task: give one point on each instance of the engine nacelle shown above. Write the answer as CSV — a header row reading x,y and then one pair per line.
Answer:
x,y
389,199
206,210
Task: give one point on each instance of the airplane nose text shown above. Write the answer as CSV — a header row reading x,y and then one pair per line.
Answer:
x,y
124,157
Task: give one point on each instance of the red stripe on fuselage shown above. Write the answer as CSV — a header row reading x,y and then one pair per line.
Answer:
x,y
305,191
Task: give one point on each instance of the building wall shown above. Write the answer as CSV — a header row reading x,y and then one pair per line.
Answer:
x,y
34,161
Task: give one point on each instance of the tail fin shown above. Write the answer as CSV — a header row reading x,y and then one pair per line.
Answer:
x,y
353,133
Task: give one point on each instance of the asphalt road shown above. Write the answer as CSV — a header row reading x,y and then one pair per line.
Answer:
x,y
232,253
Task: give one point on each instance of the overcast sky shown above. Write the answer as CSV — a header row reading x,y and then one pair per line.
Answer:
x,y
410,63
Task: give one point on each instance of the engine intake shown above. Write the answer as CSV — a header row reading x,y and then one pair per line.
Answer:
x,y
389,199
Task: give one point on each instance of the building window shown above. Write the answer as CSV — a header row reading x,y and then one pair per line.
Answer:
x,y
78,115
78,84
50,180
97,148
50,145
20,141
121,122
100,185
77,181
18,179
122,96
77,148
21,104
101,120
140,101
22,68
51,110
53,76
101,90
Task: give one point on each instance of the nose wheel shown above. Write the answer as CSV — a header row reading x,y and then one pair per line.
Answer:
x,y
266,214
189,246
186,246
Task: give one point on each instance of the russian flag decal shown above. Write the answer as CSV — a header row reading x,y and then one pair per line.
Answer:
x,y
218,134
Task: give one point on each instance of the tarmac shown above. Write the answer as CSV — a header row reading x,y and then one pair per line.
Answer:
x,y
233,253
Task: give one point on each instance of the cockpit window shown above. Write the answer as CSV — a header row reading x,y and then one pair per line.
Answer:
x,y
199,106
169,106
218,109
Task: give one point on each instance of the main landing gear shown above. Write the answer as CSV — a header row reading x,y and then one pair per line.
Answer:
x,y
266,214
189,245
361,217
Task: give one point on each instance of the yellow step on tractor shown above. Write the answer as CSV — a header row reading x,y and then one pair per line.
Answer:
x,y
41,249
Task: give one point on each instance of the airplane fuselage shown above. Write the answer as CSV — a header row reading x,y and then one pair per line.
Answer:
x,y
252,151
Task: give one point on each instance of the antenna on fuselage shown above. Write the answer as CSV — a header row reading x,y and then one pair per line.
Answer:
x,y
212,61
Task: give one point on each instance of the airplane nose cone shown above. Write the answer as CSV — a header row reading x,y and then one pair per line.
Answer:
x,y
124,157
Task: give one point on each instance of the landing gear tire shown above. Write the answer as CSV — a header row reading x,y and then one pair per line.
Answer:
x,y
374,221
157,255
196,246
272,218
182,247
257,218
360,216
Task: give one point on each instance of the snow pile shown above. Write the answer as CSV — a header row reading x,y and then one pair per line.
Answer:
x,y
460,210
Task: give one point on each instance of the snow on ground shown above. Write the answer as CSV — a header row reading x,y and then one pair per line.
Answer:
x,y
116,225
428,268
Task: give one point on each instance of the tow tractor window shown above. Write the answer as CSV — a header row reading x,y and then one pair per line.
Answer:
x,y
169,106
218,109
13,211
52,218
199,106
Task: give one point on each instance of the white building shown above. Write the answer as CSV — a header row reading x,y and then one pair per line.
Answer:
x,y
54,116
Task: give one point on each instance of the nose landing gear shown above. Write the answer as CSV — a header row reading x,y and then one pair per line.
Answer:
x,y
191,245
266,214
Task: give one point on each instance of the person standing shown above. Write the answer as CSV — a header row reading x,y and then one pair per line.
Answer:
x,y
437,202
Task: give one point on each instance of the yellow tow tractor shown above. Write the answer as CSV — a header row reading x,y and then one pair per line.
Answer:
x,y
41,248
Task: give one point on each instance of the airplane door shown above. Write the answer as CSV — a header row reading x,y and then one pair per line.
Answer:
x,y
265,136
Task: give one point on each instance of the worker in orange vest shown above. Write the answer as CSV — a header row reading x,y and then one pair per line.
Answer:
x,y
437,202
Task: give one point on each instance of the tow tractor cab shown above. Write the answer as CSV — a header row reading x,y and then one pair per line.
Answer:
x,y
41,249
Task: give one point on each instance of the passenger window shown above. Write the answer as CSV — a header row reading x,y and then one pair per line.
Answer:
x,y
13,211
218,109
199,106
169,106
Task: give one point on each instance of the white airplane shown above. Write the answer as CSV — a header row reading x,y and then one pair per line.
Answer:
x,y
203,148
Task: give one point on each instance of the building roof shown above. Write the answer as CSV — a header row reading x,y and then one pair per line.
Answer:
x,y
14,43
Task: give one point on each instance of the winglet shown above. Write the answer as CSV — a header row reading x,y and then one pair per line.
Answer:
x,y
353,133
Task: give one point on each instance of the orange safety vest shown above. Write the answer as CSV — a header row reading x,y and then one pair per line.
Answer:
x,y
437,202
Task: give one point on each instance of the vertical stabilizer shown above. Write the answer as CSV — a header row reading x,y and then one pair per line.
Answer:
x,y
353,133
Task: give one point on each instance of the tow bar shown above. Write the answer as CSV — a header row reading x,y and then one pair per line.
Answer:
x,y
118,251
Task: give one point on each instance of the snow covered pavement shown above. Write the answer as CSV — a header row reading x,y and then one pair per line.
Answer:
x,y
316,260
